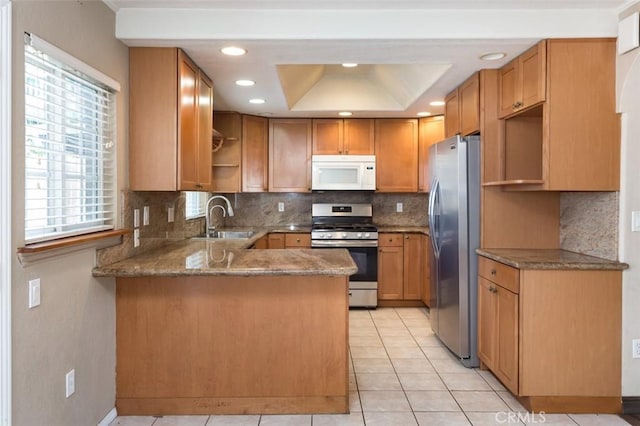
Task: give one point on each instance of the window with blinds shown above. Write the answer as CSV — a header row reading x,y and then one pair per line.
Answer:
x,y
195,204
69,149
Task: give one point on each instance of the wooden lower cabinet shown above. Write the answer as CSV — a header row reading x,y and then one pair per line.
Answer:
x,y
552,337
426,278
276,241
400,266
288,240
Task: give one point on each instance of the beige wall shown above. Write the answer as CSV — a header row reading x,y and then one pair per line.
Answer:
x,y
628,88
74,327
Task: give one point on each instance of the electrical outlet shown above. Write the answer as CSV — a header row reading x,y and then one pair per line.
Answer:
x,y
34,293
145,216
136,218
635,221
70,383
636,348
136,237
280,206
171,214
399,207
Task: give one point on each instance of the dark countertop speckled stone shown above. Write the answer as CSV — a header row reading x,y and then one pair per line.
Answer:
x,y
549,259
224,257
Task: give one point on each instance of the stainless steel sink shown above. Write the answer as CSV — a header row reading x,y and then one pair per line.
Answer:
x,y
229,235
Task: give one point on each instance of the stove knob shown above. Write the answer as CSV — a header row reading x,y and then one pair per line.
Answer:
x,y
367,235
359,234
326,235
344,235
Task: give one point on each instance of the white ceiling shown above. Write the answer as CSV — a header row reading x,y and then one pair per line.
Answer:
x,y
415,51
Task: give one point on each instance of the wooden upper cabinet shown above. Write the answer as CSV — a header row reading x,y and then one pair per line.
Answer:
x,y
522,81
430,131
358,136
451,114
396,147
569,140
170,114
290,155
255,154
343,136
462,108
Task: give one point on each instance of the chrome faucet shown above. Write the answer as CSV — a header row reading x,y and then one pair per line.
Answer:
x,y
209,211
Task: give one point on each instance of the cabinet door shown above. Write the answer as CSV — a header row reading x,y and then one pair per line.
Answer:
x,y
451,115
413,267
205,132
227,157
328,136
358,136
276,241
532,65
390,264
255,153
507,88
290,155
487,330
469,99
262,243
187,124
506,368
396,147
431,130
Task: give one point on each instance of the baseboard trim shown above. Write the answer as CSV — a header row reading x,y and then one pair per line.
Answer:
x,y
111,416
631,404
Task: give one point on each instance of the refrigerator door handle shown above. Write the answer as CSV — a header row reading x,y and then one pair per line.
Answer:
x,y
433,226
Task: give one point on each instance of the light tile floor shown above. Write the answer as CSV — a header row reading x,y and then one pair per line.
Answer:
x,y
402,375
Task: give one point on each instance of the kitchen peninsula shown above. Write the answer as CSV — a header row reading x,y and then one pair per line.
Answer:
x,y
210,326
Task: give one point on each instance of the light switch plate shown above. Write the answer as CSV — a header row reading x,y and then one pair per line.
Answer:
x,y
34,293
136,218
635,221
635,343
171,214
145,216
136,237
70,383
399,207
280,206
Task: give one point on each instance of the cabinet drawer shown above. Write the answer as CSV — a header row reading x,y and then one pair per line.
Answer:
x,y
499,273
390,240
297,240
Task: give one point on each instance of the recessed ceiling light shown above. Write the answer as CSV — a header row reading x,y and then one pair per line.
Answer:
x,y
436,103
349,65
233,51
345,113
423,114
493,56
245,82
256,101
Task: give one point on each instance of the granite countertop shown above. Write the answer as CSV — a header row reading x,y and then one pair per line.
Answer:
x,y
549,259
404,229
229,257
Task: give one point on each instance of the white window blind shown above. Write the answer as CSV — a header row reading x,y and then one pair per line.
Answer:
x,y
69,149
195,204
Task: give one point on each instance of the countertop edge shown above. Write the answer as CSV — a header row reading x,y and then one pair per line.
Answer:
x,y
601,264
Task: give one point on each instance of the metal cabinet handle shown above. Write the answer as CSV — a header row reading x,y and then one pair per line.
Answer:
x,y
492,289
517,105
493,272
297,240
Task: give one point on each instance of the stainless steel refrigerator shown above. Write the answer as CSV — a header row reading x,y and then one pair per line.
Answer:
x,y
454,224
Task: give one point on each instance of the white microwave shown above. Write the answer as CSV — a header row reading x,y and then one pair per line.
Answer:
x,y
343,172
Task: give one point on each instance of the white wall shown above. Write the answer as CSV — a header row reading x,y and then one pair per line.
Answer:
x,y
628,95
74,327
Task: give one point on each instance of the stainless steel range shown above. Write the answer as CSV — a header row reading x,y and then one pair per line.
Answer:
x,y
350,226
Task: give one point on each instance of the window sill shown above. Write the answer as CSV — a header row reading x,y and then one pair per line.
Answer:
x,y
32,253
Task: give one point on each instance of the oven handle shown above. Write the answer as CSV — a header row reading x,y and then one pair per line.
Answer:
x,y
343,244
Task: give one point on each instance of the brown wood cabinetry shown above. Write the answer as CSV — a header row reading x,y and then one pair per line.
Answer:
x,y
170,117
289,155
396,147
426,278
227,152
262,243
255,154
343,136
297,240
568,140
401,266
522,81
430,131
462,108
276,241
522,313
